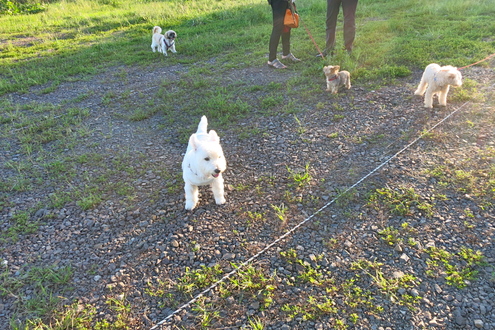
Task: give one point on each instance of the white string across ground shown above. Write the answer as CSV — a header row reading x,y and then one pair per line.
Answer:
x,y
289,232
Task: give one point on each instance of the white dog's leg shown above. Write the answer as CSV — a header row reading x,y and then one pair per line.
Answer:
x,y
442,96
429,98
421,88
173,49
191,195
217,188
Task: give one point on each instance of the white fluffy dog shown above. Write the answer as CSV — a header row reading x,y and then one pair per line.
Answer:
x,y
437,80
163,42
203,164
336,79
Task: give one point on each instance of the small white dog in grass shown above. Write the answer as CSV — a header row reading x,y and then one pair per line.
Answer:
x,y
437,80
203,164
336,78
163,42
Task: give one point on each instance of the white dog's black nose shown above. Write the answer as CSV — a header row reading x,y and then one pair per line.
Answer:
x,y
217,171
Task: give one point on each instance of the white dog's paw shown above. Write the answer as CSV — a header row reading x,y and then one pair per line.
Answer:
x,y
190,205
220,201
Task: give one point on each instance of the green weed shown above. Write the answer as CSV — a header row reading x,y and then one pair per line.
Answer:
x,y
400,201
456,274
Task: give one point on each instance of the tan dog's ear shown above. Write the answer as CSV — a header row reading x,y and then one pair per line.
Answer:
x,y
337,67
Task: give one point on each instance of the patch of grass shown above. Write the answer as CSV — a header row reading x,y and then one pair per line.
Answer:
x,y
46,285
20,224
474,176
280,211
300,178
458,273
199,279
400,201
394,287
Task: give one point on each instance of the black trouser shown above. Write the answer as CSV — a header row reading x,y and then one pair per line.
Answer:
x,y
279,30
349,9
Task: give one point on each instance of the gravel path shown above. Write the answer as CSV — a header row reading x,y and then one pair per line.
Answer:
x,y
138,250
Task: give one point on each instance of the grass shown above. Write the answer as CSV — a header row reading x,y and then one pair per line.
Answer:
x,y
459,268
38,291
44,46
402,201
47,47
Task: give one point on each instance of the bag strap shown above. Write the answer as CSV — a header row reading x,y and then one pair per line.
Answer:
x,y
292,6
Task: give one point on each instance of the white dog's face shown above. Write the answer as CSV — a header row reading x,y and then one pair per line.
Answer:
x,y
208,155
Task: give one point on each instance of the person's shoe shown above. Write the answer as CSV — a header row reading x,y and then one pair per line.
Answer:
x,y
325,54
291,58
276,64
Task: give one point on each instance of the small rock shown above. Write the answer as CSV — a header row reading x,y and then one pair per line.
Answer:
x,y
41,213
459,319
255,305
414,293
229,256
478,323
404,257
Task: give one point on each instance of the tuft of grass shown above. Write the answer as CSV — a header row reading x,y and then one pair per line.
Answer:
x,y
457,273
400,201
20,224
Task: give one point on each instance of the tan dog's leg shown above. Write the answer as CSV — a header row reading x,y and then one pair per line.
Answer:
x,y
429,98
442,96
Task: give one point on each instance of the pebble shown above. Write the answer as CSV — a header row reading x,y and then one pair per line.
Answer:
x,y
478,324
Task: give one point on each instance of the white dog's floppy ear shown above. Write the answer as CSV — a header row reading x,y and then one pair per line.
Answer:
x,y
337,67
214,136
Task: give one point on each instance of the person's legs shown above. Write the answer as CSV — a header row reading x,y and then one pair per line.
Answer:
x,y
349,9
333,7
286,41
278,9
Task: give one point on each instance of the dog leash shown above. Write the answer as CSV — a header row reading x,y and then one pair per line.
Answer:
x,y
486,58
311,37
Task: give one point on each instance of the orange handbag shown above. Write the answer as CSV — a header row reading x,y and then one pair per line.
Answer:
x,y
291,18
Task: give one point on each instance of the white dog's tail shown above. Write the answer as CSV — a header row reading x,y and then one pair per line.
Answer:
x,y
157,29
203,125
